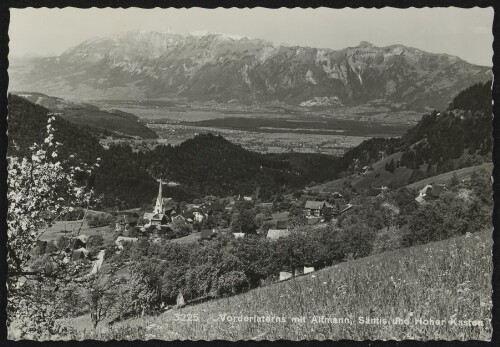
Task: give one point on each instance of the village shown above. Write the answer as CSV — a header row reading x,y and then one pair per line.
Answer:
x,y
205,220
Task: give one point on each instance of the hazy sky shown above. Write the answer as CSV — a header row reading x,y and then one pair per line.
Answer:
x,y
466,33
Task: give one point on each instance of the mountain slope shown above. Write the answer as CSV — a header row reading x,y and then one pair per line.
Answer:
x,y
440,142
138,65
27,125
112,122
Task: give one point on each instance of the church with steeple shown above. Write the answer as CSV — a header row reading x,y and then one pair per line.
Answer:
x,y
158,217
159,201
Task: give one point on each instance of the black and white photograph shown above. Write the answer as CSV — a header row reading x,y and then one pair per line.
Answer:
x,y
251,174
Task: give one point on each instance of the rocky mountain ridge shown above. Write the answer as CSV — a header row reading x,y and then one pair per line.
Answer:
x,y
141,65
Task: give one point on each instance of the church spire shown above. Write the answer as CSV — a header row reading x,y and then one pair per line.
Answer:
x,y
159,201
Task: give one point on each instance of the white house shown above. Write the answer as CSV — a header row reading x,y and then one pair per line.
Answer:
x,y
284,275
308,270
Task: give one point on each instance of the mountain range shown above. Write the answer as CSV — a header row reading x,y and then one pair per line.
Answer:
x,y
142,65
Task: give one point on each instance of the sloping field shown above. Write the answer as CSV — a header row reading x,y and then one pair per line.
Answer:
x,y
189,238
375,179
446,177
72,228
400,177
440,290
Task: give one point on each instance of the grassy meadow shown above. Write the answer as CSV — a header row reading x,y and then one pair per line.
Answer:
x,y
449,281
447,176
79,227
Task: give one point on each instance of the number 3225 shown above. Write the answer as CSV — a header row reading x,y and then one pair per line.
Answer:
x,y
180,317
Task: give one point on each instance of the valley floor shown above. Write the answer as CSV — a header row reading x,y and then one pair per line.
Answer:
x,y
439,291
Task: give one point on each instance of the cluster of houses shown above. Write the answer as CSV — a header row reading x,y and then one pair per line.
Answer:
x,y
158,223
77,250
315,213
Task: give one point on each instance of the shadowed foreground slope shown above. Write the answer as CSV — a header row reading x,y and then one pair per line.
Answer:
x,y
448,280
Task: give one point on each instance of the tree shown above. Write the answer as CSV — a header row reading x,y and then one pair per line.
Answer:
x,y
144,287
243,221
231,282
293,251
328,214
391,167
260,218
40,189
100,219
236,224
180,227
95,242
454,180
100,297
425,225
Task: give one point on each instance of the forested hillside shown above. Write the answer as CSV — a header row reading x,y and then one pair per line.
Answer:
x,y
442,141
102,123
458,137
27,125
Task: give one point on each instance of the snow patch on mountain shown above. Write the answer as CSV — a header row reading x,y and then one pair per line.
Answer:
x,y
244,74
310,77
322,101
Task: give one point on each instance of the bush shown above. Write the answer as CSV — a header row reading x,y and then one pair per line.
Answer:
x,y
180,228
231,283
99,219
94,242
388,239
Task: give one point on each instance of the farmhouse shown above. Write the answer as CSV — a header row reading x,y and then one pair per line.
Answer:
x,y
315,208
430,192
285,275
126,219
191,207
308,269
155,219
179,218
